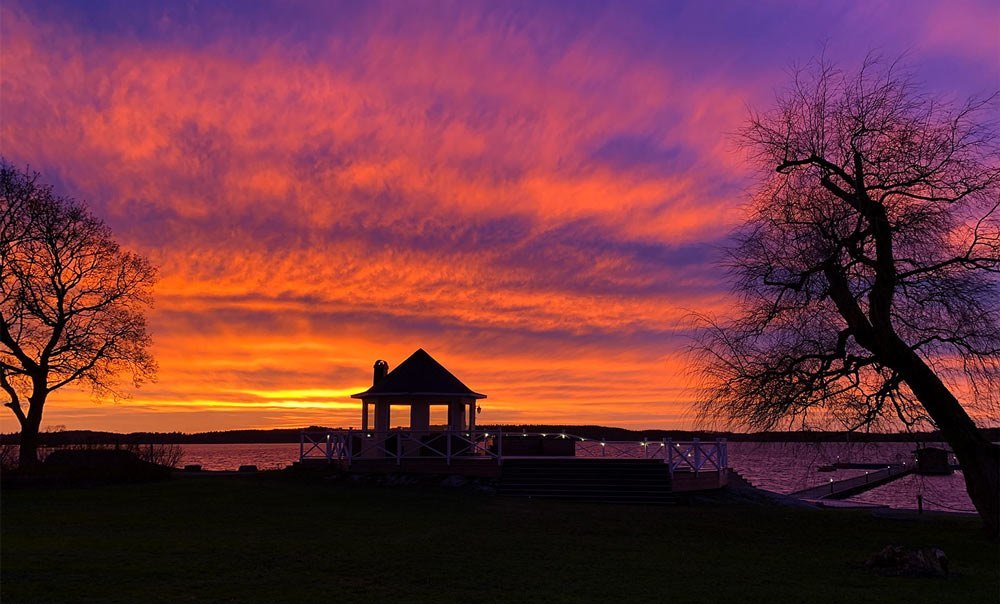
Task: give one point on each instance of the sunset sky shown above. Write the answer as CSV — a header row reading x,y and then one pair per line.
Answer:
x,y
534,192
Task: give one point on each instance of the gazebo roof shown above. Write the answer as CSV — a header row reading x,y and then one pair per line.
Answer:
x,y
419,376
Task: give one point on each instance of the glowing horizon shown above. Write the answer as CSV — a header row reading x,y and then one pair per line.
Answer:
x,y
533,194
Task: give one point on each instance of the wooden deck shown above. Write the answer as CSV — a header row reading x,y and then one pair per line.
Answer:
x,y
699,481
681,481
530,464
479,467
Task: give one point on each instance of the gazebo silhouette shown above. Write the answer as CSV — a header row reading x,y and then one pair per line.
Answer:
x,y
525,463
418,382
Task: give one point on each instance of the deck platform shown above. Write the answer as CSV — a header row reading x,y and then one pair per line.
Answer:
x,y
681,481
532,465
481,467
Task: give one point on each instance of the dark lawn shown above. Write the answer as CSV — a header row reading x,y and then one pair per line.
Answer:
x,y
265,539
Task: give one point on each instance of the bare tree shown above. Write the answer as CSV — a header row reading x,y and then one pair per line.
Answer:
x,y
867,268
71,302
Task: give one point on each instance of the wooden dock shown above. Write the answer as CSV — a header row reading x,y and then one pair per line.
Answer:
x,y
839,489
544,465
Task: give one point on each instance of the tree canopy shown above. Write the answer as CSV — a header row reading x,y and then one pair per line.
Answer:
x,y
866,271
71,301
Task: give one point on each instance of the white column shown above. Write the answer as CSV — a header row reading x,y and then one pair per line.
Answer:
x,y
420,417
456,416
381,417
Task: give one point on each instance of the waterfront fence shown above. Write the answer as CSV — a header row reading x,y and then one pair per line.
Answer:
x,y
347,446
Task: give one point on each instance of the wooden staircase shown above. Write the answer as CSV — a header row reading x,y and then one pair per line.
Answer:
x,y
643,481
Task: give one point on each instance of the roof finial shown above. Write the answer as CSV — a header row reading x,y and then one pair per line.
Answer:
x,y
381,368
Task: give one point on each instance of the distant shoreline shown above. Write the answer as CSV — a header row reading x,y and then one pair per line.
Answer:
x,y
291,435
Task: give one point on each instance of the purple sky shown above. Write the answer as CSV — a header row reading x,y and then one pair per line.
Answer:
x,y
533,192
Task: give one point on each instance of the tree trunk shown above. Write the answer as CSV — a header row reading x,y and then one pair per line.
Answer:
x,y
978,457
28,449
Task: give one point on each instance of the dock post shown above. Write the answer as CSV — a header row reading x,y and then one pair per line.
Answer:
x,y
500,447
666,450
302,444
350,446
448,446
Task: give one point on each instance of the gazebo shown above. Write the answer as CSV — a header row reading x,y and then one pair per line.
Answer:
x,y
418,383
526,463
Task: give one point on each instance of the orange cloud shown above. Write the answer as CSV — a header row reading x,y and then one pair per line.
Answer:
x,y
536,207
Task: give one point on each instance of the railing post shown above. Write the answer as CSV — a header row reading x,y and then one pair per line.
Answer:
x,y
350,445
399,447
666,449
670,458
448,445
696,445
500,447
302,444
724,452
645,448
329,452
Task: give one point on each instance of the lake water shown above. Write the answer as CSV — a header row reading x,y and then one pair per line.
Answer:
x,y
789,467
778,467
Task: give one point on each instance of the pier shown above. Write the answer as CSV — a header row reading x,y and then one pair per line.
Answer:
x,y
839,489
530,464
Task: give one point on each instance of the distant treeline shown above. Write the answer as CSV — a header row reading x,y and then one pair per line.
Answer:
x,y
607,433
92,437
291,435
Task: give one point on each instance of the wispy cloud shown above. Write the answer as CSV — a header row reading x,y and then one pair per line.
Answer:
x,y
533,193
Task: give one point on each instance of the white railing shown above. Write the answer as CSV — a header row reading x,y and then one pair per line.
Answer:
x,y
694,455
350,445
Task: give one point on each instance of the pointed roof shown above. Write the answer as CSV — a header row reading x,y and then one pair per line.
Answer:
x,y
419,376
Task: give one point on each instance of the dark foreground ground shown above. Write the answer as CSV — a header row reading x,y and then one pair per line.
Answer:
x,y
272,539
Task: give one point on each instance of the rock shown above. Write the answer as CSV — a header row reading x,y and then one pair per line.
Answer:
x,y
454,480
898,560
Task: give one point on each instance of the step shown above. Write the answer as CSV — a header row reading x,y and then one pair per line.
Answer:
x,y
592,480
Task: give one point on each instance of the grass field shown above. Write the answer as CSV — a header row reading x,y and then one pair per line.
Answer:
x,y
269,539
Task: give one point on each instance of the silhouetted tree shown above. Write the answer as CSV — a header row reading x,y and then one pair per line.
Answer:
x,y
867,268
71,302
